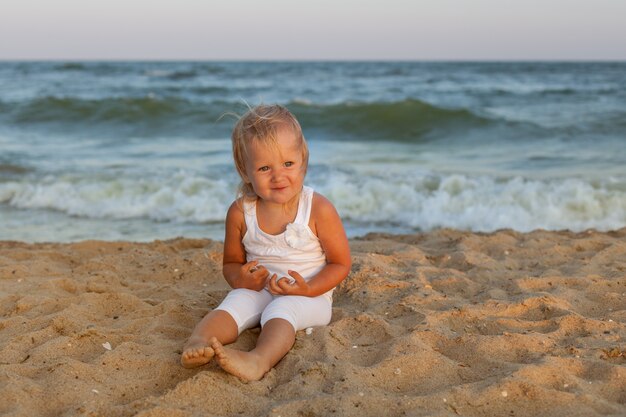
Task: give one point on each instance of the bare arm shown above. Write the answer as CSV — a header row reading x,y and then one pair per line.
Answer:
x,y
237,272
335,245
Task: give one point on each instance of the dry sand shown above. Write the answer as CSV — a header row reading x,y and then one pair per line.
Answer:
x,y
439,324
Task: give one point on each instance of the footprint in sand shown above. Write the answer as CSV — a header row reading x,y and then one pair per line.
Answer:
x,y
359,340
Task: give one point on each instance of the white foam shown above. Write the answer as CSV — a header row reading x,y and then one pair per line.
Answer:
x,y
180,198
479,203
419,200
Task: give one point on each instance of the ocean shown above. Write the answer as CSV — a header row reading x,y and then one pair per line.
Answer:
x,y
141,150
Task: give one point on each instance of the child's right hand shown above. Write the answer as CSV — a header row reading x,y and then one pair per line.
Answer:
x,y
253,276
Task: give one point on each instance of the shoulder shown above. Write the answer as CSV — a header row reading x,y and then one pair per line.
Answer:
x,y
236,209
322,209
235,215
329,230
323,215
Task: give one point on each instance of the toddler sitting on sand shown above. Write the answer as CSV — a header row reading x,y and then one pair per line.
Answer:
x,y
285,250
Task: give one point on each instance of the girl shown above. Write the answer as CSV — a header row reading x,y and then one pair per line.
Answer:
x,y
285,250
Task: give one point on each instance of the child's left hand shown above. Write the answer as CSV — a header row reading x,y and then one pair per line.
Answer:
x,y
286,286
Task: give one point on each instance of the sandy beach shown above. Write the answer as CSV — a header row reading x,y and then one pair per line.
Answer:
x,y
443,323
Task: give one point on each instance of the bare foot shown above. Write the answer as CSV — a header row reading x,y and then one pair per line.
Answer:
x,y
245,365
196,354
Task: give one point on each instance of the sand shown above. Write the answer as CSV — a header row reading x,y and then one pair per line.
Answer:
x,y
438,324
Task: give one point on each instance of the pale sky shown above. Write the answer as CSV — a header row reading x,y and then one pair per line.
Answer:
x,y
313,29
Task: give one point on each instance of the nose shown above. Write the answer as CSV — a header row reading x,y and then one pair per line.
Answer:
x,y
277,174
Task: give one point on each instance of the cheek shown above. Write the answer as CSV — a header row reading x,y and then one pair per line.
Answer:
x,y
248,175
258,178
298,175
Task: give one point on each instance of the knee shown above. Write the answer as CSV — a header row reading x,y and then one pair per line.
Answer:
x,y
280,310
301,312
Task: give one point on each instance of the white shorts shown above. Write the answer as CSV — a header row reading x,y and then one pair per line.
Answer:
x,y
249,308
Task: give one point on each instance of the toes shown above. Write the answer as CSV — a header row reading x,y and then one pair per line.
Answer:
x,y
194,354
214,343
217,347
218,350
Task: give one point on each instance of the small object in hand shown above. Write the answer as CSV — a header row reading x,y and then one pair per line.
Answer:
x,y
290,280
254,269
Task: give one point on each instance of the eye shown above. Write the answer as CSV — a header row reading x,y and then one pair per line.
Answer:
x,y
264,169
288,164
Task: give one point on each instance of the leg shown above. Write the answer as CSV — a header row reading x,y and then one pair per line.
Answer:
x,y
275,340
241,309
218,324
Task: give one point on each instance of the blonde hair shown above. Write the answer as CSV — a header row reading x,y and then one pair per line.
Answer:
x,y
262,123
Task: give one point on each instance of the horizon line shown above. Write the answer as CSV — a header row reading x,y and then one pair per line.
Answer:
x,y
304,60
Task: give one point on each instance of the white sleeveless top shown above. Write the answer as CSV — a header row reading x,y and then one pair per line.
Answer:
x,y
296,249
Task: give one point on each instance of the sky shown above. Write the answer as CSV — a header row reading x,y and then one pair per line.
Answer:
x,y
313,30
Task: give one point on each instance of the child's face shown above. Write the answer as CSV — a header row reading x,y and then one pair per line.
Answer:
x,y
276,173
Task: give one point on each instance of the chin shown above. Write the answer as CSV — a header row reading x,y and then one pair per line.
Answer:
x,y
284,199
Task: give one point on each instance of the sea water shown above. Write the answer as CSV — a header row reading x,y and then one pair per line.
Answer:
x,y
141,150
